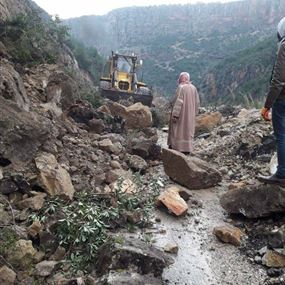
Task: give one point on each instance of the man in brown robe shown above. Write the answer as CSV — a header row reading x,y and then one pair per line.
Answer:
x,y
183,115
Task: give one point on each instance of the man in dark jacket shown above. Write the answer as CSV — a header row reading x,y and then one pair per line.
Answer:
x,y
276,100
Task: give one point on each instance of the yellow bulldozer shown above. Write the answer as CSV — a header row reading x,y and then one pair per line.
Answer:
x,y
119,80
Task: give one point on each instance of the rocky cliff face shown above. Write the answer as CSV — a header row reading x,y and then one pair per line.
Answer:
x,y
12,8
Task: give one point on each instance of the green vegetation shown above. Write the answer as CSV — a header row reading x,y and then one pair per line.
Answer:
x,y
246,75
7,241
84,224
31,40
92,96
88,58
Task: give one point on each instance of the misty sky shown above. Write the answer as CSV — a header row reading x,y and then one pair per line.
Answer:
x,y
75,8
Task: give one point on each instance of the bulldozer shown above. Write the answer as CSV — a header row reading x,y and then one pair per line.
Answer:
x,y
119,80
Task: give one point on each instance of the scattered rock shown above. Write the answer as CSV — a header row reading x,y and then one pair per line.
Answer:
x,y
5,217
171,199
258,259
22,254
171,248
96,125
263,250
107,145
113,175
115,164
229,234
138,116
146,149
255,201
48,241
131,253
116,109
206,122
276,238
59,254
128,278
136,163
191,172
19,231
35,228
134,217
33,203
61,89
273,259
54,179
237,185
45,268
7,276
275,272
1,174
125,186
13,184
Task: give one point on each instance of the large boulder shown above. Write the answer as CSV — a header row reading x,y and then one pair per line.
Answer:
x,y
116,109
54,178
189,171
206,122
255,201
128,253
137,116
22,133
61,90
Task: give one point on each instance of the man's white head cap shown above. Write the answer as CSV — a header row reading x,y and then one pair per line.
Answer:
x,y
281,29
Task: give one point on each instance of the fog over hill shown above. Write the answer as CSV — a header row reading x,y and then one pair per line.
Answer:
x,y
205,39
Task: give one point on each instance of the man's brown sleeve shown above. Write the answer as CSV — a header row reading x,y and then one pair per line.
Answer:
x,y
278,77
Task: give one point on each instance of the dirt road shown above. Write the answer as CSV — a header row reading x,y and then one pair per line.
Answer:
x,y
201,258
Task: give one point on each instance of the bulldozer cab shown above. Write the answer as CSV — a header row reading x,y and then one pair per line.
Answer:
x,y
120,80
124,65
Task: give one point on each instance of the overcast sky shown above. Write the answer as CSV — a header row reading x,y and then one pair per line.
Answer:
x,y
76,8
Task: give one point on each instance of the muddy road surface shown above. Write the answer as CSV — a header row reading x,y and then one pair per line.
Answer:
x,y
202,259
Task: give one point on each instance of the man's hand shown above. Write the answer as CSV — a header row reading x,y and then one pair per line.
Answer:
x,y
265,114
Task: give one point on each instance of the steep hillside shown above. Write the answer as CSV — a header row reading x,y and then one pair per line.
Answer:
x,y
196,38
66,169
242,78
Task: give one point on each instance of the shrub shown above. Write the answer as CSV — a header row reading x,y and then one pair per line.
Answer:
x,y
85,223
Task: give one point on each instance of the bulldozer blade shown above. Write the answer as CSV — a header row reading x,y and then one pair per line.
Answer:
x,y
116,96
